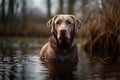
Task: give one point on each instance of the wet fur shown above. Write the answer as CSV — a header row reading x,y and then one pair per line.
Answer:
x,y
59,50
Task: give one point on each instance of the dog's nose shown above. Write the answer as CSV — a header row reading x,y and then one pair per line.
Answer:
x,y
63,31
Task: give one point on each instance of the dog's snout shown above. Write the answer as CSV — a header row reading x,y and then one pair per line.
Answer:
x,y
63,31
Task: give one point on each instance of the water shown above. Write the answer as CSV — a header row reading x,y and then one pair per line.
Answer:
x,y
19,60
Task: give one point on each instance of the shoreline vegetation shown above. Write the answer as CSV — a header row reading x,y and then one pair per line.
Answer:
x,y
104,33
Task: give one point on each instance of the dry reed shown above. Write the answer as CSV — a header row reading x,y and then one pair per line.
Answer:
x,y
104,33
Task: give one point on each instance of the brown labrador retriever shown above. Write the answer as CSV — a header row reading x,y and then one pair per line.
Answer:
x,y
61,46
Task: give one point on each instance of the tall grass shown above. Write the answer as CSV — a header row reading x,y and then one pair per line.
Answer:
x,y
104,33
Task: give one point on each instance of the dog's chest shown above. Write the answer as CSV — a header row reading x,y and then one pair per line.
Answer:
x,y
65,55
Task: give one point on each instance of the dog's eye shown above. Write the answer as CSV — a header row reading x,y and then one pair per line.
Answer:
x,y
58,22
68,22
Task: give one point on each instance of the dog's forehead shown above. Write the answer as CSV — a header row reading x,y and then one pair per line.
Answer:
x,y
64,18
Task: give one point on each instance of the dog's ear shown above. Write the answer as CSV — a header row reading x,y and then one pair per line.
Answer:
x,y
77,23
50,23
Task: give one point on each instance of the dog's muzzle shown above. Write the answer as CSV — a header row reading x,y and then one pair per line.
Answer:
x,y
63,34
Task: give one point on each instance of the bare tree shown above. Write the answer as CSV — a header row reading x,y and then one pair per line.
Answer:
x,y
11,9
60,6
84,3
48,8
71,6
24,5
3,10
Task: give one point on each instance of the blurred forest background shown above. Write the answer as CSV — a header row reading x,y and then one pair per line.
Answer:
x,y
100,20
29,17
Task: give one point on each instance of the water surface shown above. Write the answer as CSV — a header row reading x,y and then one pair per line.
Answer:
x,y
19,60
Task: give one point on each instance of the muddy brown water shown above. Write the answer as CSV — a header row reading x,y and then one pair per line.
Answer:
x,y
20,61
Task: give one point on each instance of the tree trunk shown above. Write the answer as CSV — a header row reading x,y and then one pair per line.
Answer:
x,y
10,18
48,8
11,10
84,3
60,6
71,6
3,10
23,9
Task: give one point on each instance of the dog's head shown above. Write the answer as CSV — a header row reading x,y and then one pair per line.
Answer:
x,y
64,25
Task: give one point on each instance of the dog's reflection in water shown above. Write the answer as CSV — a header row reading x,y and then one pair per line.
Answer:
x,y
61,71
